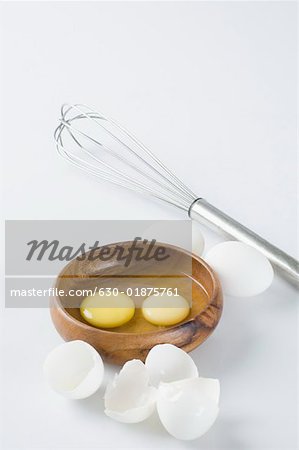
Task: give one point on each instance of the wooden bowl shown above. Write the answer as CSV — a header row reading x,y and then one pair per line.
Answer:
x,y
135,338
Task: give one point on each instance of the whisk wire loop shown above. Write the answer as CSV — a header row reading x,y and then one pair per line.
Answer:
x,y
80,139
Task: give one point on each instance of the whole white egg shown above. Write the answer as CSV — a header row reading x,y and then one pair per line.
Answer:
x,y
243,271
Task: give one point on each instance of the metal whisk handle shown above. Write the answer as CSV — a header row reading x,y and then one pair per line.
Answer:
x,y
207,214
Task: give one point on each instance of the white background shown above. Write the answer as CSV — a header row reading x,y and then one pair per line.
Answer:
x,y
211,88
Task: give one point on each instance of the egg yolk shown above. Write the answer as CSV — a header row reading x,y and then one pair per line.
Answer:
x,y
165,310
107,311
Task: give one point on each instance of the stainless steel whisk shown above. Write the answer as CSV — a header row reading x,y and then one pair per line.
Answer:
x,y
98,145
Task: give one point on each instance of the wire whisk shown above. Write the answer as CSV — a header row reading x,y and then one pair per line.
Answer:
x,y
98,145
104,149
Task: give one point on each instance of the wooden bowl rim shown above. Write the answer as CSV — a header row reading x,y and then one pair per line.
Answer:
x,y
216,290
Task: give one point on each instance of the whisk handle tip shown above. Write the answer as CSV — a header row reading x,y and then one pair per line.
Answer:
x,y
205,213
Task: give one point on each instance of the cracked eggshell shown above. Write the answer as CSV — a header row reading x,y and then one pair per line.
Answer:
x,y
167,363
188,408
129,398
198,242
74,369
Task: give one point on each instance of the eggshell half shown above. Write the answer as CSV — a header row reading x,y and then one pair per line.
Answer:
x,y
167,363
188,408
198,242
129,398
74,369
